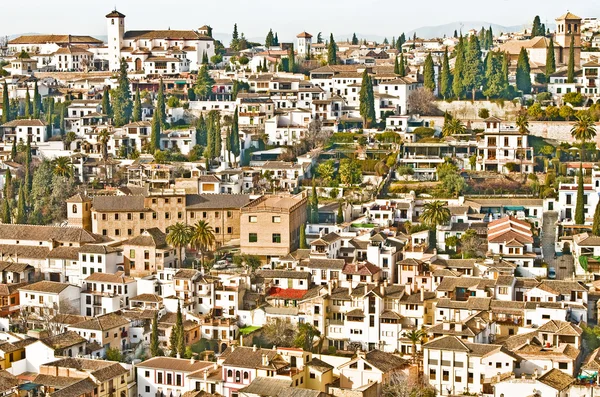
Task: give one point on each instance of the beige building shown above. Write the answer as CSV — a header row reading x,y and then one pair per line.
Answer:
x,y
148,253
271,224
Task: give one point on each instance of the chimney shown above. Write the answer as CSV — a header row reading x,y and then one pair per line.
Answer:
x,y
422,294
382,289
178,356
192,360
265,360
232,347
329,287
385,283
360,354
253,348
535,374
274,348
446,325
205,374
366,289
498,377
241,340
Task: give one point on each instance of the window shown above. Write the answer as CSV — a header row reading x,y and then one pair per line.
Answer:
x,y
252,237
147,374
252,219
312,375
432,374
229,230
276,219
116,217
276,238
503,290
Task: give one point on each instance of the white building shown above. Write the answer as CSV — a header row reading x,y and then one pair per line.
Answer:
x,y
106,292
303,43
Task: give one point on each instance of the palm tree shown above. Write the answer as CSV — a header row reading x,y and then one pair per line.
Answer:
x,y
61,166
415,336
69,138
202,237
583,130
179,235
522,123
435,213
453,127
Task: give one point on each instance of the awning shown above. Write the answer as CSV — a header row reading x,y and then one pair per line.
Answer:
x,y
29,386
514,207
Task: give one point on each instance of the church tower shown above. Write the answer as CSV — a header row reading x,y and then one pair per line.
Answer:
x,y
115,32
567,26
79,212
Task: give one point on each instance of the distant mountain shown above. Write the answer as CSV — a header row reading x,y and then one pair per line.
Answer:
x,y
430,32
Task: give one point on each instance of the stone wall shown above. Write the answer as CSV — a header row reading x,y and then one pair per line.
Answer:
x,y
468,110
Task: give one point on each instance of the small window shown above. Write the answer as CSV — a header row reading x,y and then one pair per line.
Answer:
x,y
276,238
252,237
252,219
276,219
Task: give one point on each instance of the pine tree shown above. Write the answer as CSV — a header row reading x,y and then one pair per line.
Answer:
x,y
235,40
354,39
155,134
180,332
396,66
339,219
303,243
137,106
367,100
5,104
106,107
550,59
27,104
457,78
154,344
21,211
571,64
472,67
332,51
446,77
37,101
523,72
429,73
269,39
402,69
161,107
122,103
579,206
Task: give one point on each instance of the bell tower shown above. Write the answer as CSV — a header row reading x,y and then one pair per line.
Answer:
x,y
79,211
115,31
568,26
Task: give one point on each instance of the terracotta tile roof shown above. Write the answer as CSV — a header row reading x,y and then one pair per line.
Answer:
x,y
117,278
318,263
266,386
57,382
77,389
165,34
556,379
66,339
55,38
363,269
287,293
118,203
292,274
212,201
105,322
147,298
47,233
248,357
51,287
153,237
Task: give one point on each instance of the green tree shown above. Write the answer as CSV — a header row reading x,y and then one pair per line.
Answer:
x,y
122,103
354,39
415,336
204,58
367,100
435,213
204,83
537,29
326,171
161,107
472,70
155,134
583,130
180,332
21,207
269,39
106,107
429,73
446,77
522,122
332,51
350,172
201,131
571,64
339,218
173,340
303,243
402,67
37,101
5,104
550,59
457,78
396,66
203,237
235,39
235,136
179,236
493,86
137,106
7,213
453,126
314,199
523,72
114,354
27,112
305,336
579,206
62,166
489,39
596,224
155,349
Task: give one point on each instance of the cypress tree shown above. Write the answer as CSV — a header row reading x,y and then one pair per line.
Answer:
x,y
489,39
5,104
455,34
354,39
472,66
493,86
8,186
505,65
303,244
173,341
154,344
401,40
27,104
457,78
37,101
106,107
204,58
50,113
446,77
155,135
269,39
291,60
340,215
550,59
314,198
210,137
217,141
523,72
235,136
429,73
201,131
62,121
366,99
596,224
137,106
579,207
160,104
13,150
402,69
6,215
537,29
21,213
396,66
332,51
180,332
571,65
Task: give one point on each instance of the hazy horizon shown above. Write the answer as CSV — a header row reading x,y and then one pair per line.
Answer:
x,y
337,16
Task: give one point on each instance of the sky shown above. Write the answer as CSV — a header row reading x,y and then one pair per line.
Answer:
x,y
287,17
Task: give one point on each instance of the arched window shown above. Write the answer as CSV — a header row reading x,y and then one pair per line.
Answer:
x,y
246,375
74,208
229,373
237,376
